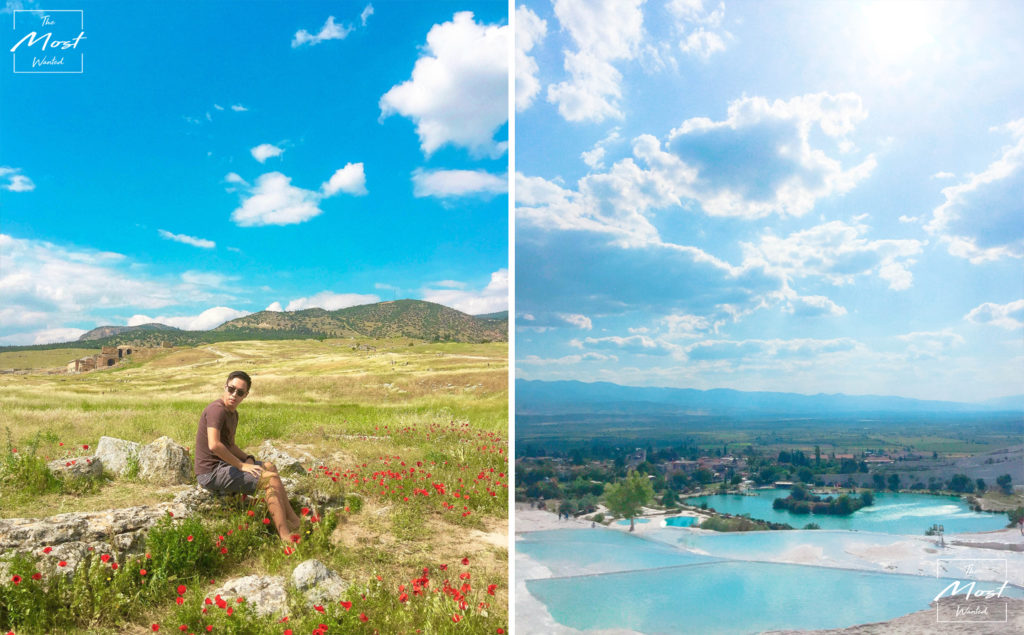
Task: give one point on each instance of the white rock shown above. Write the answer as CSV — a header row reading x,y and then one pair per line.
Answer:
x,y
265,595
115,454
319,584
78,467
164,461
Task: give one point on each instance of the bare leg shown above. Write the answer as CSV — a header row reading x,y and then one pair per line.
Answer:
x,y
281,512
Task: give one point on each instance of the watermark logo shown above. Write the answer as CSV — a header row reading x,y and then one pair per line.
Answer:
x,y
48,41
976,595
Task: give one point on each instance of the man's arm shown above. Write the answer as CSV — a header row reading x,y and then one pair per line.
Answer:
x,y
232,455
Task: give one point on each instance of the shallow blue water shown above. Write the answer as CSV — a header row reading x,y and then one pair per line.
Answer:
x,y
569,552
892,513
680,521
625,521
728,597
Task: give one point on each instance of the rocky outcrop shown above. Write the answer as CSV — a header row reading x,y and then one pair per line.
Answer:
x,y
164,461
317,583
286,463
70,537
265,595
117,455
78,467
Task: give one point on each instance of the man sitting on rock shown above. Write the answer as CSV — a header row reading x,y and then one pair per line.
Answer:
x,y
222,467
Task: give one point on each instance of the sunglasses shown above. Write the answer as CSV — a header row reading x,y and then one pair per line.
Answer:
x,y
241,392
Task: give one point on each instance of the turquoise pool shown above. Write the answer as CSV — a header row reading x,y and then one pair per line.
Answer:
x,y
639,521
615,580
727,597
680,521
891,513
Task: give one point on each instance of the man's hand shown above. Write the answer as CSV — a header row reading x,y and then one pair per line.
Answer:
x,y
255,470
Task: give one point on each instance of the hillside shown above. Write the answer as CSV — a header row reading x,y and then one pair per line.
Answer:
x,y
414,319
101,332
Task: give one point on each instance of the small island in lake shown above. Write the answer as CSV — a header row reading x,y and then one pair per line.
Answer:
x,y
801,502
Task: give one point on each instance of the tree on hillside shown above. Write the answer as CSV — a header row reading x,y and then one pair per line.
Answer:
x,y
1005,482
961,483
894,482
626,497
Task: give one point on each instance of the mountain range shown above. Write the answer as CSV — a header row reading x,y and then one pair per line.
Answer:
x,y
413,319
554,397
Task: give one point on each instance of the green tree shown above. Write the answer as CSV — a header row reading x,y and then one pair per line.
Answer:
x,y
626,497
961,483
1006,483
894,482
878,480
669,498
704,476
981,486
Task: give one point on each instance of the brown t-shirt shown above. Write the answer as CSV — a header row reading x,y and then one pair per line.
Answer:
x,y
216,415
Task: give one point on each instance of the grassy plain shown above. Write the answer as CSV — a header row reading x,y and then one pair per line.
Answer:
x,y
370,409
51,358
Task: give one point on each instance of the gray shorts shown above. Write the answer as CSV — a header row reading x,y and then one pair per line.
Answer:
x,y
226,479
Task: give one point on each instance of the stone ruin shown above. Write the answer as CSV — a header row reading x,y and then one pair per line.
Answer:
x,y
111,356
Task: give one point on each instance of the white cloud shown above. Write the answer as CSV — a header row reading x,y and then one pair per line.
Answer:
x,y
682,325
208,319
1008,316
367,12
43,336
578,320
700,29
637,344
330,301
265,151
909,219
458,93
206,279
930,345
218,107
981,217
275,201
711,350
593,158
604,31
449,284
329,31
239,108
350,179
943,175
275,306
530,30
813,306
491,299
457,183
15,182
188,240
836,251
568,360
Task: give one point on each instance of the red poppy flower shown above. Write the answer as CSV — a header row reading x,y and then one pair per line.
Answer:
x,y
305,511
465,561
403,597
47,549
230,610
456,618
317,607
16,579
363,618
37,576
190,538
491,588
114,566
444,567
209,627
224,550
62,563
346,605
85,446
501,631
105,557
295,537
142,572
181,589
183,628
266,521
209,601
250,513
221,603
287,631
155,627
180,600
464,575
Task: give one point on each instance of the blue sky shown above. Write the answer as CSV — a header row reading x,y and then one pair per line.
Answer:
x,y
796,196
219,158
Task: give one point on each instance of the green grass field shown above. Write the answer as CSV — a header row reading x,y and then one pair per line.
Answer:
x,y
367,409
55,358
